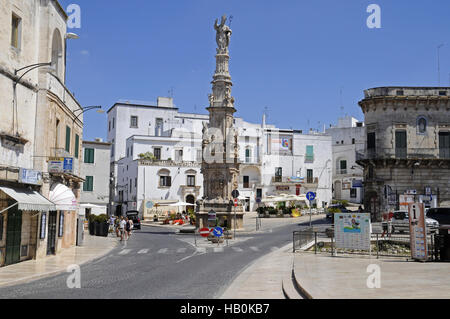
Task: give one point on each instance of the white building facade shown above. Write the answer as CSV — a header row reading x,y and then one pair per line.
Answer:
x,y
157,158
348,137
94,198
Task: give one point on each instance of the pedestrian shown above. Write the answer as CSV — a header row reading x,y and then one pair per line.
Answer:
x,y
122,226
129,227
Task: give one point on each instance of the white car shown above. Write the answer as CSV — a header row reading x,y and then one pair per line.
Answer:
x,y
400,222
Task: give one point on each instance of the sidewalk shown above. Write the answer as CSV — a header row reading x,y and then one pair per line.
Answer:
x,y
93,248
326,277
262,279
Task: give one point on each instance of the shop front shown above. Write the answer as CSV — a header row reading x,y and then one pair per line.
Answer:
x,y
21,211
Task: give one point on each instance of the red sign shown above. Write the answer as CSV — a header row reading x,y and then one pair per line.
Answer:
x,y
204,232
235,202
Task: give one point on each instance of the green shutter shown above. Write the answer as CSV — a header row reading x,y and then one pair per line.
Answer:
x,y
88,185
67,139
89,155
310,153
77,145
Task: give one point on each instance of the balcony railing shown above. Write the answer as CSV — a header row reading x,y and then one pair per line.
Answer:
x,y
400,153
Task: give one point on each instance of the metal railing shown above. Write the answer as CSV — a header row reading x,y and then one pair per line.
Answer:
x,y
381,244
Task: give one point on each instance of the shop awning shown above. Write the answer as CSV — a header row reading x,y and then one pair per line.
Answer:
x,y
63,198
28,199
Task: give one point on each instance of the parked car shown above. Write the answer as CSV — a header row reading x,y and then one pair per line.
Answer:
x,y
340,207
400,222
134,216
441,215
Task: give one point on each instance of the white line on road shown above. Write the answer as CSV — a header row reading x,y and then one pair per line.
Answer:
x,y
143,251
162,251
254,248
124,251
201,249
237,249
181,250
218,250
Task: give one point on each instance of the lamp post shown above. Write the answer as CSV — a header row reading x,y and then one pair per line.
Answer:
x,y
30,68
88,108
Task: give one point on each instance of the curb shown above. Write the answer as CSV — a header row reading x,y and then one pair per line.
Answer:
x,y
302,291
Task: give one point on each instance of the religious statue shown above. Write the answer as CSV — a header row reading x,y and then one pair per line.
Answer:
x,y
223,35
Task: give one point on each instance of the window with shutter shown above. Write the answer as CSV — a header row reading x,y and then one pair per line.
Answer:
x,y
77,145
67,139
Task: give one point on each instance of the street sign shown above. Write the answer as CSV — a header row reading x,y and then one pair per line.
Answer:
x,y
235,202
204,232
417,231
235,193
311,196
212,215
218,232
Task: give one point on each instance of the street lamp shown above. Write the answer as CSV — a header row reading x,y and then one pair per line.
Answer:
x,y
30,68
88,108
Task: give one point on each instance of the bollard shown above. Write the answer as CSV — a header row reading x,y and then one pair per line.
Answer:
x,y
315,243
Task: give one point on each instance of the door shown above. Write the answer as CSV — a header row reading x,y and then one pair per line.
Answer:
x,y
51,241
13,236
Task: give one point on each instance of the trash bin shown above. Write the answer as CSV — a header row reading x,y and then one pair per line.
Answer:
x,y
443,243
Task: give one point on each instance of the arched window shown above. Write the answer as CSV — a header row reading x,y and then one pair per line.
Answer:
x,y
57,53
422,124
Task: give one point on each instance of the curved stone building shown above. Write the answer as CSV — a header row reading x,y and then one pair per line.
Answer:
x,y
407,149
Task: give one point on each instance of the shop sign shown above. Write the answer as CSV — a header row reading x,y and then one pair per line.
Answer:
x,y
283,188
60,165
29,176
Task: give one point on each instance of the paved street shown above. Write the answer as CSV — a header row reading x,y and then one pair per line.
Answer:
x,y
157,263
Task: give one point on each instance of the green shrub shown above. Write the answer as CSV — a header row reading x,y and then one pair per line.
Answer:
x,y
101,218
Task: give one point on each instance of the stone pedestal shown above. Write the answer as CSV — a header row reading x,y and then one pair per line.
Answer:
x,y
224,212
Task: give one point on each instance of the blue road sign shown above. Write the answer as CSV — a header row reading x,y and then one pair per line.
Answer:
x,y
311,196
218,232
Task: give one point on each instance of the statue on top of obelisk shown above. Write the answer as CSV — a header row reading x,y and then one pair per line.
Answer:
x,y
223,35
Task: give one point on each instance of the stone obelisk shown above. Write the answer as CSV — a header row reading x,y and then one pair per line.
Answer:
x,y
220,164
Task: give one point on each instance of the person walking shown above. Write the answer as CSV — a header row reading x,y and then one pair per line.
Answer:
x,y
122,226
129,227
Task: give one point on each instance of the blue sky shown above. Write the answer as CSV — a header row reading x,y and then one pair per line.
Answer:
x,y
293,57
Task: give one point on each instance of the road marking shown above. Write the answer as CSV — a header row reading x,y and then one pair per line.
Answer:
x,y
218,250
237,249
201,249
162,251
254,248
181,250
143,251
124,251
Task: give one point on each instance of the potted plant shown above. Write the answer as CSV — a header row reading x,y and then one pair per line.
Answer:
x,y
91,224
101,225
273,212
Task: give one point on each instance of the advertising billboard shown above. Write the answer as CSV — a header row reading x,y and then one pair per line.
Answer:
x,y
352,230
